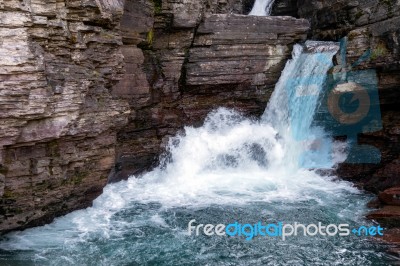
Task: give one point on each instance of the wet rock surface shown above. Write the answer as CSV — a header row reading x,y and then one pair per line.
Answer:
x,y
390,196
92,90
372,28
197,57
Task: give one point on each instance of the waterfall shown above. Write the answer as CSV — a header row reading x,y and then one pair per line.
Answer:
x,y
230,169
262,8
293,104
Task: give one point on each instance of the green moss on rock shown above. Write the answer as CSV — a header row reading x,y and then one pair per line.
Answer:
x,y
157,6
379,51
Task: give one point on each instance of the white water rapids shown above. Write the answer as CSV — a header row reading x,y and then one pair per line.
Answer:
x,y
231,168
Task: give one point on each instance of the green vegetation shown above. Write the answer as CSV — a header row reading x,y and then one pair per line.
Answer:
x,y
3,169
78,178
8,194
53,149
379,51
157,6
359,14
389,4
150,37
74,39
386,2
75,178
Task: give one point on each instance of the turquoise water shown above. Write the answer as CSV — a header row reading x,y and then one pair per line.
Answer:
x,y
230,169
150,234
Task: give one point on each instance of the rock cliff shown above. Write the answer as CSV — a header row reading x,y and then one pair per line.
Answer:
x,y
369,26
59,61
92,90
89,87
189,58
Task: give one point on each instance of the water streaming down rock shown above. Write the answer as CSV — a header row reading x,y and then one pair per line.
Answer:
x,y
230,169
292,107
262,8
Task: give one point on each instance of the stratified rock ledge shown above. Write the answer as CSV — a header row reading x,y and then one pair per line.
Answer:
x,y
91,90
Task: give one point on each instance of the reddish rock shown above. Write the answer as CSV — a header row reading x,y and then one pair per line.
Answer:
x,y
374,204
390,196
388,216
385,212
390,236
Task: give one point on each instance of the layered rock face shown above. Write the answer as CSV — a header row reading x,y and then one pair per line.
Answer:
x,y
191,61
369,26
89,85
372,26
58,119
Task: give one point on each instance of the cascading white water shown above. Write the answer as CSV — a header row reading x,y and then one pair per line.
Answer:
x,y
230,169
292,107
262,8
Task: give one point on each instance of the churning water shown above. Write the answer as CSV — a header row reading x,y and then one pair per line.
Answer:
x,y
262,8
230,169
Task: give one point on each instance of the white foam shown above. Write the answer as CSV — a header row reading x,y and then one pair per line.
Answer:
x,y
262,8
230,160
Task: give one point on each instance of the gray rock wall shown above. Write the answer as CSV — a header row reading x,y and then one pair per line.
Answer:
x,y
374,26
197,57
58,119
91,89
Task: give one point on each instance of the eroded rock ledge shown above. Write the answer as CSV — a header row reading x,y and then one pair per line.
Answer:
x,y
89,85
191,61
59,61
